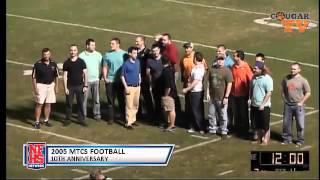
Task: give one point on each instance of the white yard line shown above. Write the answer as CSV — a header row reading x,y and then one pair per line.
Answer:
x,y
222,8
200,137
150,36
312,112
306,147
225,172
80,171
50,133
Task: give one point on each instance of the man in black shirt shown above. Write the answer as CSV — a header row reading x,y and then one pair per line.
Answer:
x,y
169,92
45,86
75,82
145,101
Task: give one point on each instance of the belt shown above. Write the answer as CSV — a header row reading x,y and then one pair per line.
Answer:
x,y
133,85
47,83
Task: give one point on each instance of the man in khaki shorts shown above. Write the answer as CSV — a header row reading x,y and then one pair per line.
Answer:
x,y
168,93
45,86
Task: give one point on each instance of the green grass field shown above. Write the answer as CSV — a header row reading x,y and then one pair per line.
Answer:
x,y
34,24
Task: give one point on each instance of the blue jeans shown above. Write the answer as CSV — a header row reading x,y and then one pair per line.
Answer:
x,y
218,111
289,112
93,90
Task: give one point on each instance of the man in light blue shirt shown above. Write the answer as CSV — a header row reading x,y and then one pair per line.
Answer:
x,y
111,71
93,59
260,92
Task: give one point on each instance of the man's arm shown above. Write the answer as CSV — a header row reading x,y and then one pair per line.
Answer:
x,y
148,73
65,81
265,100
191,86
306,96
34,81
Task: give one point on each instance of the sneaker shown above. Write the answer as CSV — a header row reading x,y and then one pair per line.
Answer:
x,y
130,128
286,142
298,144
211,131
46,123
135,124
190,131
170,129
110,122
37,125
224,136
255,137
264,143
162,126
201,132
97,118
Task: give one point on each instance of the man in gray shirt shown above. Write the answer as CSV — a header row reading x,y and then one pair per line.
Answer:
x,y
295,90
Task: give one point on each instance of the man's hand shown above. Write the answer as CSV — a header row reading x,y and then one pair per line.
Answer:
x,y
249,102
66,91
300,104
184,90
208,97
261,108
85,89
107,80
127,91
36,91
225,101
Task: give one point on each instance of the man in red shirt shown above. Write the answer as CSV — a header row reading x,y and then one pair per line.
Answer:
x,y
170,50
242,76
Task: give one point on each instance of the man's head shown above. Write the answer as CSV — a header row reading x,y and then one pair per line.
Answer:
x,y
198,58
140,42
221,50
260,57
73,50
295,68
96,175
133,52
155,50
166,38
238,56
258,68
158,37
188,47
46,54
220,61
115,44
90,45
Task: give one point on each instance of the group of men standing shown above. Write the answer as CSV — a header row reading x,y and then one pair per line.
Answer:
x,y
144,80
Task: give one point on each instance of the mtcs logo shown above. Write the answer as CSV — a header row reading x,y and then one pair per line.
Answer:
x,y
288,20
34,154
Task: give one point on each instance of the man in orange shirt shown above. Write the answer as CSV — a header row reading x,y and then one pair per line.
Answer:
x,y
242,76
186,65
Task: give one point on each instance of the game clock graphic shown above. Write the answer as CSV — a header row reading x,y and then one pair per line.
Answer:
x,y
280,161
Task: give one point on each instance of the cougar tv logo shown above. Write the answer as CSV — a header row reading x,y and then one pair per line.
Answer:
x,y
34,154
291,21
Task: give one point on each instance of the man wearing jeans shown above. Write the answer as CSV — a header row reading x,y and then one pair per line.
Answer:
x,y
75,82
295,90
93,59
131,79
220,82
111,71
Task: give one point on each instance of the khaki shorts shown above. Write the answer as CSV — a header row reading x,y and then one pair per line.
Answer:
x,y
46,93
167,103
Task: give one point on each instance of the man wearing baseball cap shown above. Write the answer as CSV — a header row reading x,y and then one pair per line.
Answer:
x,y
186,65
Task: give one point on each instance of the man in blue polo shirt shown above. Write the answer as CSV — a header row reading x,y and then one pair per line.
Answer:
x,y
93,59
111,71
131,79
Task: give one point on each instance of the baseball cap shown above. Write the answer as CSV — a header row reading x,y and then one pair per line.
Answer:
x,y
259,64
188,45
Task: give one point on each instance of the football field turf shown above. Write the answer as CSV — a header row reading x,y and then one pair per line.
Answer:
x,y
35,24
